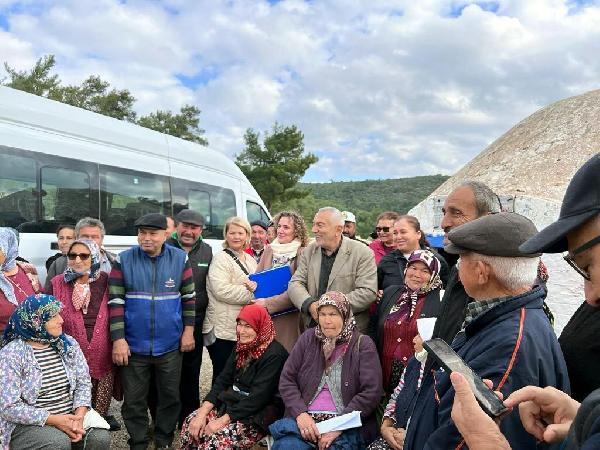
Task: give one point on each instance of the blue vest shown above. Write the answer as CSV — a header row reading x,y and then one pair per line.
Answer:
x,y
153,313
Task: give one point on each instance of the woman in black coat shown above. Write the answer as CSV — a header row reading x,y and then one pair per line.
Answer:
x,y
408,237
243,401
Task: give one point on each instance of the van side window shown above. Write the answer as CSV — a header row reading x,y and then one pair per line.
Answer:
x,y
223,207
65,194
18,193
126,195
199,201
216,204
255,212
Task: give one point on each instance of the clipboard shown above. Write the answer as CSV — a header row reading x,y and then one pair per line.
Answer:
x,y
271,282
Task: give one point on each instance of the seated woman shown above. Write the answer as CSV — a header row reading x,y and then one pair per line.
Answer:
x,y
83,291
292,237
408,237
332,370
45,385
15,284
394,324
242,402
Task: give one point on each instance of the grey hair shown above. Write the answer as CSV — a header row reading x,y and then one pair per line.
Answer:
x,y
486,200
512,272
89,222
336,215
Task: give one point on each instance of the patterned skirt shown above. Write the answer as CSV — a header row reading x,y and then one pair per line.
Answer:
x,y
236,435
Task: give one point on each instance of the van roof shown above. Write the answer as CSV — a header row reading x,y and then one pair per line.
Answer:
x,y
28,110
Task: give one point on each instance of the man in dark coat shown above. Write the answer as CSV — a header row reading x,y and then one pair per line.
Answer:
x,y
188,237
506,336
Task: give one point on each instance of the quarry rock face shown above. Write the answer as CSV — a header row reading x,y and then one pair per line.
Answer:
x,y
529,167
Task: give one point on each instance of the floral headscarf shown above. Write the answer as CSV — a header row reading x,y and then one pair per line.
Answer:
x,y
435,282
9,245
81,291
340,302
259,319
432,263
28,322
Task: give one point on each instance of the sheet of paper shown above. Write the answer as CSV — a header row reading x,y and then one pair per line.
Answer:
x,y
340,423
425,327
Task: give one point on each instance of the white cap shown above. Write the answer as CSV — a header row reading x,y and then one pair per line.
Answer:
x,y
348,216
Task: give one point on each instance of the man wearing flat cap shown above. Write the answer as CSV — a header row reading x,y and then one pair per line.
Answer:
x,y
506,336
258,239
152,316
550,414
188,237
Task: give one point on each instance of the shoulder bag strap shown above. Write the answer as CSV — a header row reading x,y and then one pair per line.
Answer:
x,y
237,260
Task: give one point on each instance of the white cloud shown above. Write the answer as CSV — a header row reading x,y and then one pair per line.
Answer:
x,y
380,89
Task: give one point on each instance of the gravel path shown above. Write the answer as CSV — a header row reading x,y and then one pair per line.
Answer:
x,y
119,438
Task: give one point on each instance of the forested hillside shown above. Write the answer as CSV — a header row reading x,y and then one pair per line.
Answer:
x,y
366,199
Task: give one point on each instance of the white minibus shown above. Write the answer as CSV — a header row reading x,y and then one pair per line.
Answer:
x,y
59,163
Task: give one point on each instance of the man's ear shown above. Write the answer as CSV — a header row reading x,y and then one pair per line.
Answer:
x,y
483,273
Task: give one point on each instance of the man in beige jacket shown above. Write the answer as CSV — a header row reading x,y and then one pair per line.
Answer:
x,y
334,262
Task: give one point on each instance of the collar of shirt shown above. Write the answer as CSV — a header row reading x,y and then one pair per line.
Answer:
x,y
478,307
333,255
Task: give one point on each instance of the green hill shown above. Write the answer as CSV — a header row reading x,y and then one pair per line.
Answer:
x,y
366,199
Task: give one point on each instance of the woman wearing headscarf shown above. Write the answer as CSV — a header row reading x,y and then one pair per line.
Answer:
x,y
83,291
45,385
242,402
332,370
292,237
15,285
394,324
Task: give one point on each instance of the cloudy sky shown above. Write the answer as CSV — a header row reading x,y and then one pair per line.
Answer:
x,y
380,88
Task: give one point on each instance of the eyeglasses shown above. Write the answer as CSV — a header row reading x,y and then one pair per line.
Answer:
x,y
570,257
82,256
382,229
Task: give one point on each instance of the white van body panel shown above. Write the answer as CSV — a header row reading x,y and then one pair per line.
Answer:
x,y
36,124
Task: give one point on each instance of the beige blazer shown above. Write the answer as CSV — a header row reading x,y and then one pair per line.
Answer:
x,y
354,273
226,294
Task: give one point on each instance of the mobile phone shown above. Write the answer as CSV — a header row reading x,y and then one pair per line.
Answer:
x,y
451,362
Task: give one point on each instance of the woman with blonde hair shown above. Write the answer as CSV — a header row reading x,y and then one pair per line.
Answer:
x,y
292,238
229,289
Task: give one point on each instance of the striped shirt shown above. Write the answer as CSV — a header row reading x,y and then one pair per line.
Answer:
x,y
54,395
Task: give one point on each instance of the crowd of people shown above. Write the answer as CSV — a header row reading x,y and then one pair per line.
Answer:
x,y
344,336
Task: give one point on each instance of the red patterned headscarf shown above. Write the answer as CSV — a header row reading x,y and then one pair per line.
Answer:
x,y
259,319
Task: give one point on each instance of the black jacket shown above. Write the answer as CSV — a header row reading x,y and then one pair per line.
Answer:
x,y
258,384
431,308
581,348
200,258
390,270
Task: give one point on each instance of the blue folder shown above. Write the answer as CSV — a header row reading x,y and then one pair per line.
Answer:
x,y
271,281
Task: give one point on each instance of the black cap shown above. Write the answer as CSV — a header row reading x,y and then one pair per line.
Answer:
x,y
581,203
152,220
498,234
259,223
190,216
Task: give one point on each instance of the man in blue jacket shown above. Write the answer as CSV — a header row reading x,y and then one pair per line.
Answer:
x,y
152,315
506,336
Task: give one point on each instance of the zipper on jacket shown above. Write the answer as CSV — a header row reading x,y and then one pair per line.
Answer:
x,y
152,306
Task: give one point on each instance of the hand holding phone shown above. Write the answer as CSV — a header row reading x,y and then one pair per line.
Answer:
x,y
451,362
